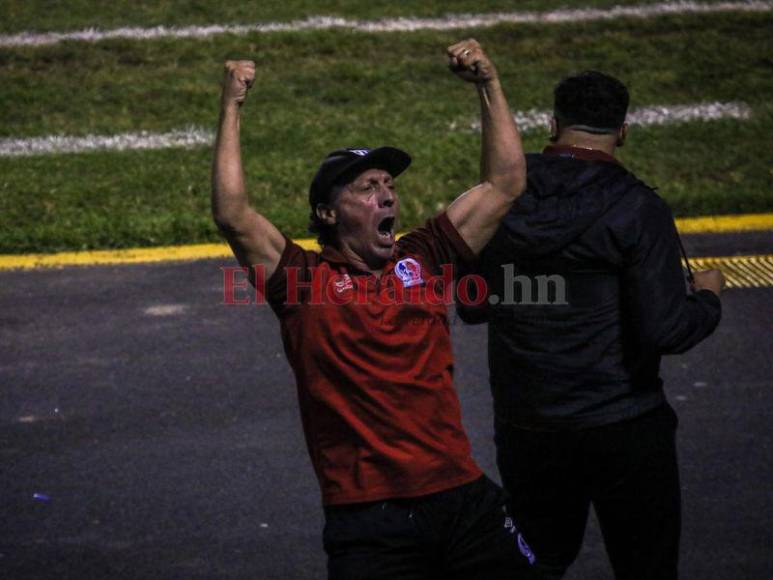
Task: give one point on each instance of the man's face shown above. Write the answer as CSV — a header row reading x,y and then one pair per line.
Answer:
x,y
367,211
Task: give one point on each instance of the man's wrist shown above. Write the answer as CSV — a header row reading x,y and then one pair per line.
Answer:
x,y
488,89
489,83
229,107
228,101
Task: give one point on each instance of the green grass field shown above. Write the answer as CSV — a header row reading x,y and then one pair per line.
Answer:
x,y
320,90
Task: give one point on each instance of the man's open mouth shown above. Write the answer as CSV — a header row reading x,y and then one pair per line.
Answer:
x,y
386,229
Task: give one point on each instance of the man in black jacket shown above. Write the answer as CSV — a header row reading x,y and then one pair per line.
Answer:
x,y
586,292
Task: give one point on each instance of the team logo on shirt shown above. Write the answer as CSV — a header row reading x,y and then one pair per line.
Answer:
x,y
409,271
343,284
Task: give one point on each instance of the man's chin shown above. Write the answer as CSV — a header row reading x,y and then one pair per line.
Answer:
x,y
384,251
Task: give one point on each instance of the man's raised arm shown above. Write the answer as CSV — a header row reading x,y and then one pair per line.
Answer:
x,y
253,239
476,213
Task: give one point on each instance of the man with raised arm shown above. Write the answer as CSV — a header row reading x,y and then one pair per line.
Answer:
x,y
371,349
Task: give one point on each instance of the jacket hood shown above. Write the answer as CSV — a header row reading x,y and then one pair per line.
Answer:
x,y
564,196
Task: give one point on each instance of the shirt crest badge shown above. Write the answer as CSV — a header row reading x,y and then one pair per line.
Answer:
x,y
409,272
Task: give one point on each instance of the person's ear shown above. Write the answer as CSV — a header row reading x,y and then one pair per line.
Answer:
x,y
553,130
326,213
622,135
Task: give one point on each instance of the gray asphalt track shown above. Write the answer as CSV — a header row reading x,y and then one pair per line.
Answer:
x,y
161,431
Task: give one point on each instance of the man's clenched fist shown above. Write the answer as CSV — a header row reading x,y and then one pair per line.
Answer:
x,y
239,76
468,61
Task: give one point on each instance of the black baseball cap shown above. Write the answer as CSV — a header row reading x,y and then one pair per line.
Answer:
x,y
343,164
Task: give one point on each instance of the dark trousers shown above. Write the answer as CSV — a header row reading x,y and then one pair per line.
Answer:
x,y
463,533
627,470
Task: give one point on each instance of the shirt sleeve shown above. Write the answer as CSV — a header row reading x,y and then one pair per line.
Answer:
x,y
474,310
667,320
438,242
294,257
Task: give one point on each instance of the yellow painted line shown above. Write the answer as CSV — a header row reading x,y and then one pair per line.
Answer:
x,y
128,256
725,223
708,224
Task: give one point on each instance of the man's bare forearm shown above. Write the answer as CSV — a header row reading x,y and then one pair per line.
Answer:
x,y
502,162
229,196
477,212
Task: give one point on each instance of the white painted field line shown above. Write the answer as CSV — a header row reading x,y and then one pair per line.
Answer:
x,y
406,24
646,116
197,136
165,309
181,138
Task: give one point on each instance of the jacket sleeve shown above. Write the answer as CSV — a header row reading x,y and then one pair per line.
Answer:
x,y
471,308
666,318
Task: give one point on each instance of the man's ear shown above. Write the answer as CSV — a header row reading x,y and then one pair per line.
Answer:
x,y
326,213
553,129
622,135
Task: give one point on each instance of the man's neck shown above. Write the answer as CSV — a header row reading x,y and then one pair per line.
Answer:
x,y
351,256
584,140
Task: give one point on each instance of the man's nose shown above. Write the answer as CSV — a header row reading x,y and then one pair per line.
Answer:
x,y
386,196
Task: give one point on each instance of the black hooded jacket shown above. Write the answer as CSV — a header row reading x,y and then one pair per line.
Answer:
x,y
590,292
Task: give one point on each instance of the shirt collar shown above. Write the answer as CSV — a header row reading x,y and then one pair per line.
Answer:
x,y
579,153
331,254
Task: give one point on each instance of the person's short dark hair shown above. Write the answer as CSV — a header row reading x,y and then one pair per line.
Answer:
x,y
590,101
325,233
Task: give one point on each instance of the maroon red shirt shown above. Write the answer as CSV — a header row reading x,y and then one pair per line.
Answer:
x,y
374,367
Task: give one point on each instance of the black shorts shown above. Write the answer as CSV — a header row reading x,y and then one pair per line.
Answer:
x,y
464,533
